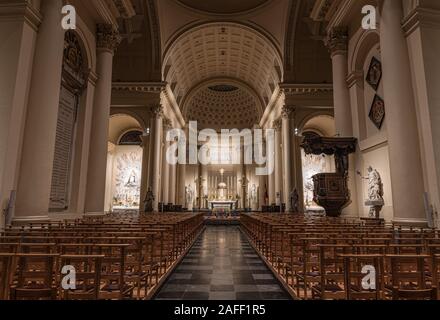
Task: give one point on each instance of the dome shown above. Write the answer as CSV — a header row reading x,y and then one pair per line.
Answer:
x,y
223,106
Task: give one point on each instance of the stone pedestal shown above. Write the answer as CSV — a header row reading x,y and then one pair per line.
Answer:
x,y
375,207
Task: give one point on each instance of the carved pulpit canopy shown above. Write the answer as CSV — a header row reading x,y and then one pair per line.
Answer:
x,y
339,147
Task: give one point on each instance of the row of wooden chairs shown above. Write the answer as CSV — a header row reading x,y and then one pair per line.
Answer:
x,y
327,258
122,256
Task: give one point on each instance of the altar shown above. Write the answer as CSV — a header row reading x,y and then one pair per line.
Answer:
x,y
222,204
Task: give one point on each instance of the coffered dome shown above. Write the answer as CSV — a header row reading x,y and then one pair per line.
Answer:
x,y
223,106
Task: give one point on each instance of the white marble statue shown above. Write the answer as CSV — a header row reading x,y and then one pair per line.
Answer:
x,y
254,193
189,197
375,192
375,188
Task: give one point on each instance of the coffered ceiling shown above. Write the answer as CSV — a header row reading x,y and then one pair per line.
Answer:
x,y
219,50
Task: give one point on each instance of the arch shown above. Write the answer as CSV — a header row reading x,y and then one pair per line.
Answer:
x,y
321,113
222,49
250,8
86,44
204,23
233,81
322,124
138,118
364,43
120,124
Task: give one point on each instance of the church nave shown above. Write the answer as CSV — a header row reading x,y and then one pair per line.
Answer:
x,y
222,265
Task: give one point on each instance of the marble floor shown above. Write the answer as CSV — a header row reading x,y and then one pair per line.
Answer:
x,y
222,266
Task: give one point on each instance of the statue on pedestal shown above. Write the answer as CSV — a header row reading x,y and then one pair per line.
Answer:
x,y
148,202
254,197
189,194
375,192
294,201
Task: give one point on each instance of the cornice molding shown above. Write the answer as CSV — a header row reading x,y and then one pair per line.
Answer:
x,y
125,8
421,17
355,77
139,87
306,89
22,12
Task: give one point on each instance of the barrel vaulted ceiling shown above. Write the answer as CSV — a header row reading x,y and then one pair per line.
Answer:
x,y
255,44
220,50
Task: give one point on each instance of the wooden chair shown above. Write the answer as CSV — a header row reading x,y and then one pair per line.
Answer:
x,y
408,278
354,287
87,276
6,260
331,270
113,272
34,277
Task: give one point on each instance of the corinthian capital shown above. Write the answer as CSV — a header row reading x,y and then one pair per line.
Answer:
x,y
167,124
157,111
277,124
107,37
337,40
287,111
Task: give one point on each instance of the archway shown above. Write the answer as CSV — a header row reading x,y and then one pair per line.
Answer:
x,y
324,126
124,164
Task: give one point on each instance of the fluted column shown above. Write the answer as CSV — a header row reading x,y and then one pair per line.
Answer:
x,y
403,137
158,116
35,180
337,43
107,41
278,160
287,154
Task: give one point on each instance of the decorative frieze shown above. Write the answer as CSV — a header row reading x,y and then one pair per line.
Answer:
x,y
139,87
306,89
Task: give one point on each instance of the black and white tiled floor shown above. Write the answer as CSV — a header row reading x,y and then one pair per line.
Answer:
x,y
222,266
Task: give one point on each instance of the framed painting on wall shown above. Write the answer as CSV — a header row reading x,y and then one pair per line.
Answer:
x,y
374,75
377,111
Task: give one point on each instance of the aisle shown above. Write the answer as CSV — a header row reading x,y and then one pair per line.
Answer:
x,y
222,266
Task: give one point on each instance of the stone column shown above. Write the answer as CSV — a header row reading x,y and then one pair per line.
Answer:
x,y
403,136
173,184
158,114
145,166
287,154
205,185
278,160
337,43
240,178
182,184
167,125
271,177
107,40
34,185
182,176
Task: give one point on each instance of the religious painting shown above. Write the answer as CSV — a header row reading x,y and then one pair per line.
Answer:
x,y
127,178
374,75
377,111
